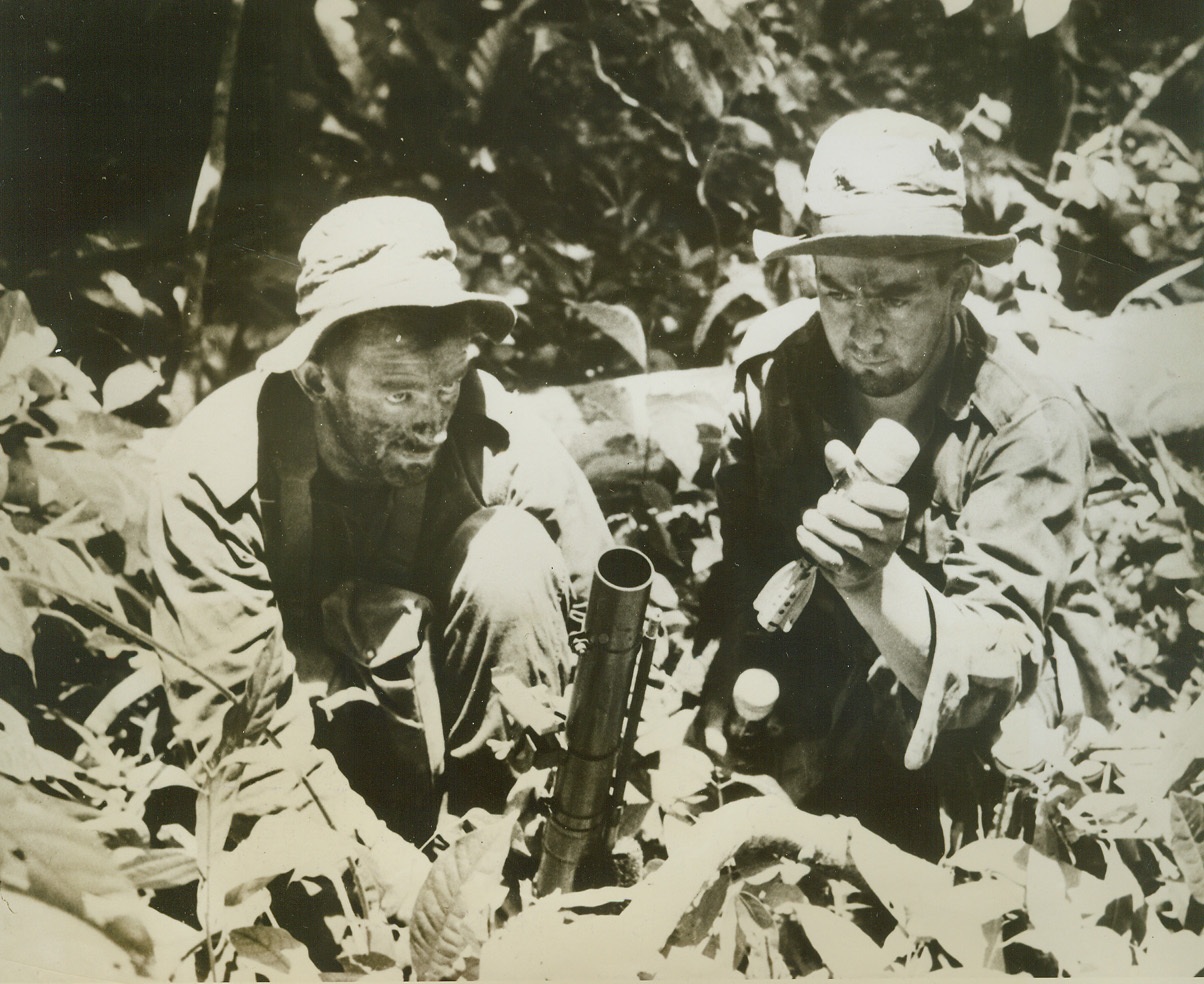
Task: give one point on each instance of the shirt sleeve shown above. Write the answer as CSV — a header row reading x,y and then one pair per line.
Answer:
x,y
216,613
1009,556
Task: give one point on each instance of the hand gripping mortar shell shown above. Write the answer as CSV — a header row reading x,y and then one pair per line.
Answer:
x,y
884,455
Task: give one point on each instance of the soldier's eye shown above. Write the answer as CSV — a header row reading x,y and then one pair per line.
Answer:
x,y
400,398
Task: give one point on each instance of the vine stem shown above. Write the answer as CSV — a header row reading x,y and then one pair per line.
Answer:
x,y
151,642
1146,99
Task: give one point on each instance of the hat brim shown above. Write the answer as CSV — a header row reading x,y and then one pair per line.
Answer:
x,y
987,250
487,314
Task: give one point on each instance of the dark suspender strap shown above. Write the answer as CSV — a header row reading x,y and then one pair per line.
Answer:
x,y
287,462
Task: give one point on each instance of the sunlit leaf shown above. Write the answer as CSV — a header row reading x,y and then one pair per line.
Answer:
x,y
844,949
486,56
46,852
453,909
743,280
16,624
56,564
360,42
1187,841
719,13
1173,955
1081,949
682,774
162,867
119,294
16,317
272,950
1043,15
618,322
128,384
278,844
1195,612
42,942
1176,566
791,187
24,348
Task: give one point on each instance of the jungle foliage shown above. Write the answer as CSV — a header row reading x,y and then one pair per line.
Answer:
x,y
602,163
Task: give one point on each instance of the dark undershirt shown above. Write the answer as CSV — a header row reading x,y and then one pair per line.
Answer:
x,y
366,532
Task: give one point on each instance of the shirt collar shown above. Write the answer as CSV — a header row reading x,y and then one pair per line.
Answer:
x,y
963,382
478,413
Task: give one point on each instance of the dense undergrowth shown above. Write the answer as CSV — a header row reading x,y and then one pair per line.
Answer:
x,y
116,858
619,224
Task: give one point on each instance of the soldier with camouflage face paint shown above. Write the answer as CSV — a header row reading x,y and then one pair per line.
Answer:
x,y
947,601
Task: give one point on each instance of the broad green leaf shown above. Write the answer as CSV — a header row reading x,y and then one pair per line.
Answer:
x,y
56,564
964,919
16,316
1177,753
112,484
23,341
1195,610
453,910
682,774
42,942
1187,841
128,384
49,854
905,884
16,623
1176,566
1061,899
282,843
844,949
994,855
119,294
1043,15
743,280
1173,955
272,951
1081,949
695,925
162,867
617,322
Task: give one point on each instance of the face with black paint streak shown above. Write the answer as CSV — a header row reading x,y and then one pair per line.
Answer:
x,y
384,391
888,320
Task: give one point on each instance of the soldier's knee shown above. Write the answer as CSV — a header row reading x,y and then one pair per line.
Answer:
x,y
507,562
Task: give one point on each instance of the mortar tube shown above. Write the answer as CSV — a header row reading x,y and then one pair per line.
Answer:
x,y
614,631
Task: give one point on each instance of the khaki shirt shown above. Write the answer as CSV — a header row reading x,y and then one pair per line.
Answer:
x,y
216,604
995,527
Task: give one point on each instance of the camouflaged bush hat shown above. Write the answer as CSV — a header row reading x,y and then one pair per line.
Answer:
x,y
883,183
375,253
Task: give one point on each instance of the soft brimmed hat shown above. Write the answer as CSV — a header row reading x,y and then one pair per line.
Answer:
x,y
883,183
377,253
